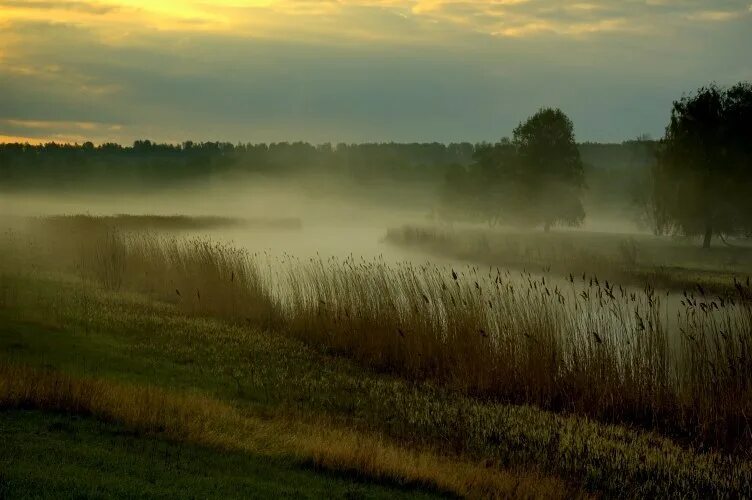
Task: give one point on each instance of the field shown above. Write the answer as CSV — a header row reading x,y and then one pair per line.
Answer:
x,y
355,377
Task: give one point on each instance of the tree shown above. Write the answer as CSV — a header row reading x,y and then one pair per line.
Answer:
x,y
702,180
739,126
483,190
494,173
550,176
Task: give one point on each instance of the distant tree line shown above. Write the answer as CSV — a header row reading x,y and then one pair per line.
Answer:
x,y
153,164
426,167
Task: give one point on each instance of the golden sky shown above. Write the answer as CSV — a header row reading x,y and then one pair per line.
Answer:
x,y
355,69
285,19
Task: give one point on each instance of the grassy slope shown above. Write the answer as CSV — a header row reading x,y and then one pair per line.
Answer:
x,y
126,338
60,456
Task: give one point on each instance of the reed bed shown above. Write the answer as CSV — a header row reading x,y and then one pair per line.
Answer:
x,y
668,263
585,346
200,276
579,345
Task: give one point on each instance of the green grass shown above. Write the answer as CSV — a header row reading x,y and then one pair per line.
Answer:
x,y
124,337
60,456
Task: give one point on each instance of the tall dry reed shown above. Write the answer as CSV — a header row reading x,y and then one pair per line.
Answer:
x,y
200,276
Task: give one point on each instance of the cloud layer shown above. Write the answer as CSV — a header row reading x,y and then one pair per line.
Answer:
x,y
355,70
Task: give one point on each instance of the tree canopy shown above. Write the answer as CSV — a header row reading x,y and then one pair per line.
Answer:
x,y
551,174
534,179
148,163
703,178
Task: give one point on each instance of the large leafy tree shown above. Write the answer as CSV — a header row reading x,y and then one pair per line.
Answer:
x,y
703,178
534,179
550,176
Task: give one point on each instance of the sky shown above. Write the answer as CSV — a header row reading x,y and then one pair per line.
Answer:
x,y
356,70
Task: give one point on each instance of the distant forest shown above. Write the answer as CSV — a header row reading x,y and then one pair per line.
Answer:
x,y
145,163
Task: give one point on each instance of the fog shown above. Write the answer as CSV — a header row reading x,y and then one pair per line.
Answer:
x,y
456,204
335,226
332,222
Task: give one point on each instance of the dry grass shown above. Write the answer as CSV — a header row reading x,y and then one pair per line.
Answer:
x,y
205,421
587,347
200,276
669,263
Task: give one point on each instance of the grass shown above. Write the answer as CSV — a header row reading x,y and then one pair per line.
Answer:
x,y
53,455
664,263
129,345
464,343
136,342
199,420
581,346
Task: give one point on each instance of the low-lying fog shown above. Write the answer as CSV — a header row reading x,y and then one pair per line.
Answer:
x,y
331,224
334,225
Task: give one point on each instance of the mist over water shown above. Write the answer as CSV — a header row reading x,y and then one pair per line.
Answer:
x,y
310,225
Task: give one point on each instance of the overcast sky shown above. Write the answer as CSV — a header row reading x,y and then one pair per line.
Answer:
x,y
356,70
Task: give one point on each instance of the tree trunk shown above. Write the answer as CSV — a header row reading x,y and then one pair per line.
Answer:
x,y
708,236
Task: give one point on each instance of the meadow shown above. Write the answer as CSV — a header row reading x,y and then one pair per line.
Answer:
x,y
376,375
